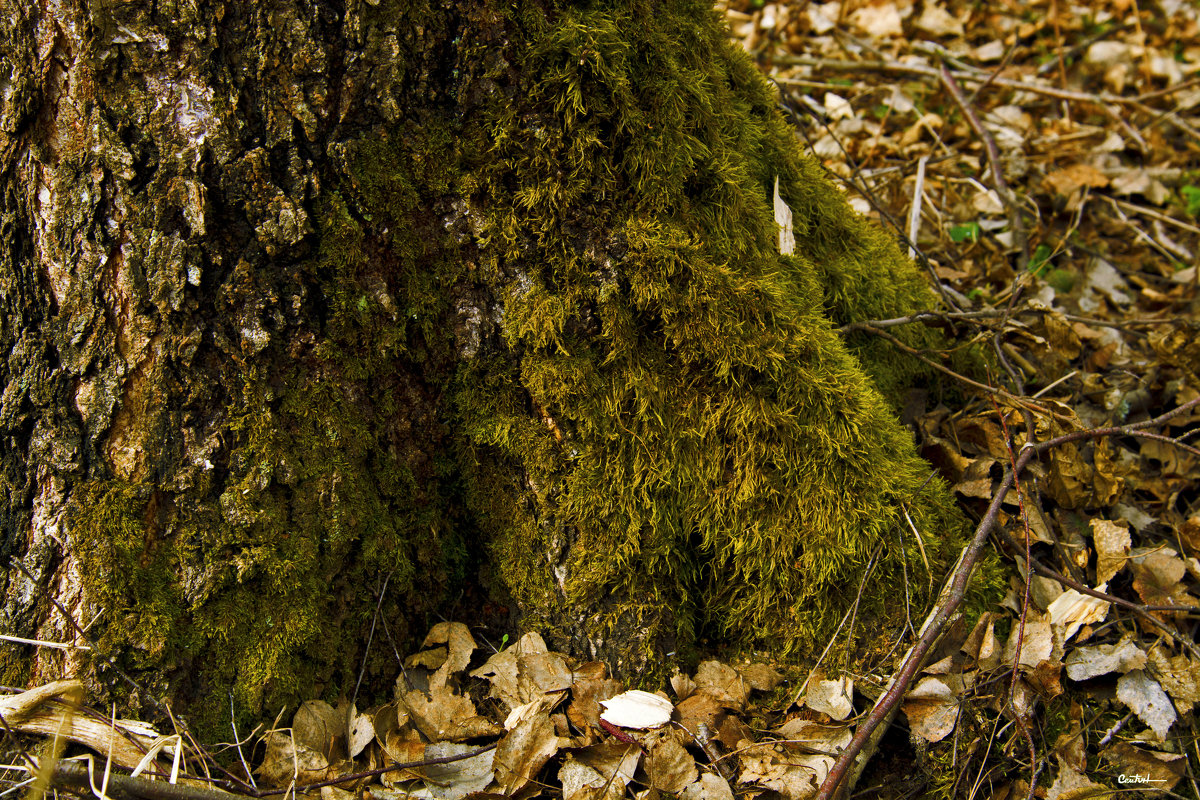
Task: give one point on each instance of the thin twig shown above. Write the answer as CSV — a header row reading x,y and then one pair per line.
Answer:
x,y
1016,667
1015,221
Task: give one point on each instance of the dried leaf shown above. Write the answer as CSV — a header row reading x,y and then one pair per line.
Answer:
x,y
683,685
285,760
762,677
1157,574
502,669
319,726
668,765
700,709
1069,180
444,715
1073,610
834,697
783,218
456,780
460,644
1089,662
723,682
932,709
1112,547
1037,643
523,752
1147,699
937,21
362,732
590,687
878,21
1071,784
1179,675
1154,769
708,787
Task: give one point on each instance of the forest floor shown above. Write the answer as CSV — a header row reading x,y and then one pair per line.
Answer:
x,y
1043,162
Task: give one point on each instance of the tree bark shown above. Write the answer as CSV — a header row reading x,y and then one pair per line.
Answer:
x,y
302,296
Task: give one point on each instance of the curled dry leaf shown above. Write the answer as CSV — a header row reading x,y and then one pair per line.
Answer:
x,y
1037,643
708,787
1179,675
445,715
504,673
286,760
523,752
1070,783
319,726
1157,576
459,645
682,685
591,686
762,677
981,644
1074,610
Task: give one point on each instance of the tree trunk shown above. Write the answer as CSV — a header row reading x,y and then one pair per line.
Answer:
x,y
302,297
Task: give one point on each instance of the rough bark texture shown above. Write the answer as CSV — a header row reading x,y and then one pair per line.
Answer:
x,y
301,295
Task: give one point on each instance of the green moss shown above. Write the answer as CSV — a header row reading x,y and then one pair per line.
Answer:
x,y
709,444
1062,279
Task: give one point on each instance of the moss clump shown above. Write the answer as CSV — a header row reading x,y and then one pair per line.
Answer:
x,y
696,448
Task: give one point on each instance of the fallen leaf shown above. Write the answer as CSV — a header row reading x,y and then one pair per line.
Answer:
x,y
723,682
445,715
1084,663
1179,675
1037,643
1153,769
932,709
1073,610
457,779
708,787
761,677
669,767
1146,698
834,697
523,752
937,21
1071,784
878,21
1069,180
1112,547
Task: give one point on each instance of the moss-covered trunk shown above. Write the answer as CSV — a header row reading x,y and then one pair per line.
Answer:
x,y
302,296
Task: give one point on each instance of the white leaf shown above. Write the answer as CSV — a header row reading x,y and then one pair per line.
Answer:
x,y
1147,699
783,218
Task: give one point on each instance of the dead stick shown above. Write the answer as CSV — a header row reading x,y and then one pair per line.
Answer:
x,y
74,775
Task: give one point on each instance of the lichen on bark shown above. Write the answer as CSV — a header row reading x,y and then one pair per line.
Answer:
x,y
299,298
